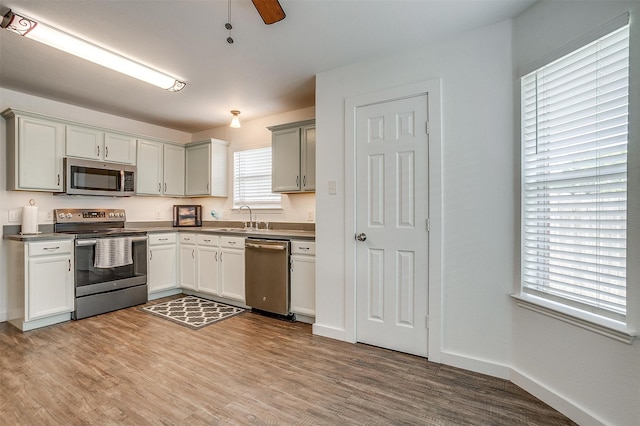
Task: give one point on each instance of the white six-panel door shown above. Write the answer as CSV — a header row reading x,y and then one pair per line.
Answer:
x,y
391,224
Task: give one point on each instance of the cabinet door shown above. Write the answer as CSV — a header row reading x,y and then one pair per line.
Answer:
x,y
84,142
149,168
207,270
119,148
198,166
308,159
232,274
173,170
40,152
219,169
285,158
188,266
49,286
303,285
163,270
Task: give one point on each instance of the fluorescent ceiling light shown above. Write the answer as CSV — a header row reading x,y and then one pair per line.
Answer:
x,y
66,42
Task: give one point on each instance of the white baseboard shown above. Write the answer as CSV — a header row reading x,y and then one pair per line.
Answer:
x,y
474,364
331,332
555,400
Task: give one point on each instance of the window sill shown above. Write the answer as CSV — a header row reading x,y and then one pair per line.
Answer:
x,y
604,326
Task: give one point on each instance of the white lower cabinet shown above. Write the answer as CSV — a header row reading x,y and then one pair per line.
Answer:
x,y
41,290
162,272
232,268
187,261
303,278
207,264
212,264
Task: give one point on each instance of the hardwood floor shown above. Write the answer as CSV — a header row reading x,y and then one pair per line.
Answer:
x,y
130,367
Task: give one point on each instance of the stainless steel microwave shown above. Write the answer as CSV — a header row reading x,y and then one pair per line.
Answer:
x,y
87,177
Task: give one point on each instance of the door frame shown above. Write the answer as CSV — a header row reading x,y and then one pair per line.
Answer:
x,y
434,308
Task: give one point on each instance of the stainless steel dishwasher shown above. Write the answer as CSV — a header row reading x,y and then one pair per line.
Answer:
x,y
267,275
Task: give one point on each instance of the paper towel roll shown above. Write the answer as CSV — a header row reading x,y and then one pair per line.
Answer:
x,y
30,220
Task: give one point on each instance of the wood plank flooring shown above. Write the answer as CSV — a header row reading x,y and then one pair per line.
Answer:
x,y
133,368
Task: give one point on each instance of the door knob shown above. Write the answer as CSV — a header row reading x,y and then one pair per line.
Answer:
x,y
361,236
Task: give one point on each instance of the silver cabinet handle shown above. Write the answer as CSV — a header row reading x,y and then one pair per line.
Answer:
x,y
58,178
193,253
106,151
165,187
69,265
98,150
361,236
150,254
51,248
163,239
216,254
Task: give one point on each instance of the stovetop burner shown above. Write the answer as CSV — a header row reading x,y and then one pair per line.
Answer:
x,y
94,223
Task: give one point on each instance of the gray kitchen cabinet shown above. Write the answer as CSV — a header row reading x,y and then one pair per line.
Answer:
x,y
41,287
35,152
232,268
207,168
160,169
293,157
95,144
303,278
162,265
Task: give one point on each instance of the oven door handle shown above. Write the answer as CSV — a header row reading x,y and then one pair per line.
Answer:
x,y
93,242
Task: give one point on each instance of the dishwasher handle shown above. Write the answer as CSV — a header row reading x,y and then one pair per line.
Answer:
x,y
265,246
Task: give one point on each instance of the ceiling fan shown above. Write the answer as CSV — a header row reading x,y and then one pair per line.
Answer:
x,y
270,10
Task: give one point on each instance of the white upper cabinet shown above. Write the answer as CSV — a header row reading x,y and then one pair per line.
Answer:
x,y
95,144
35,151
160,169
293,156
207,168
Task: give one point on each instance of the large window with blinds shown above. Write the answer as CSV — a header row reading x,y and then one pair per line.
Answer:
x,y
252,179
574,177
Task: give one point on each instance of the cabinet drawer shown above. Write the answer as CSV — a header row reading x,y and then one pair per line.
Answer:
x,y
156,239
50,247
233,242
303,247
207,240
187,238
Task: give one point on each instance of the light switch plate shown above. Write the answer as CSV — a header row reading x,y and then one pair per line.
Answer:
x,y
332,187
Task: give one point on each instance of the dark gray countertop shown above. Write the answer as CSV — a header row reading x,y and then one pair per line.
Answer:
x,y
295,234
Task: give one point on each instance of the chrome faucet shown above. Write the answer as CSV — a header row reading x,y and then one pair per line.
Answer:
x,y
250,217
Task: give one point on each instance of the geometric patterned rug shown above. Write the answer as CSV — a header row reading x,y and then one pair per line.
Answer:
x,y
193,312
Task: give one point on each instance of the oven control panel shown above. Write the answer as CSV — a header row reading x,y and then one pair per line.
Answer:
x,y
88,215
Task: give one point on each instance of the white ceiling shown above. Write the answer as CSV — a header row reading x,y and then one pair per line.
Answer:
x,y
268,70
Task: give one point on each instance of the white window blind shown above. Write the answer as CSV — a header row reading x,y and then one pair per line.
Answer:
x,y
252,179
574,177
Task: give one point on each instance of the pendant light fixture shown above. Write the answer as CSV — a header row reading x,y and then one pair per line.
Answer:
x,y
235,121
61,40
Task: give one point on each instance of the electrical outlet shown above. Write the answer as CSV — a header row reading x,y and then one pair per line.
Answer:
x,y
158,216
15,215
310,215
50,215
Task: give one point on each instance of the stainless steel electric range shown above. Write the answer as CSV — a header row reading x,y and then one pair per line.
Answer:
x,y
110,260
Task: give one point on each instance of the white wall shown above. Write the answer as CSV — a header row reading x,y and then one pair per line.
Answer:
x,y
590,377
296,208
478,191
